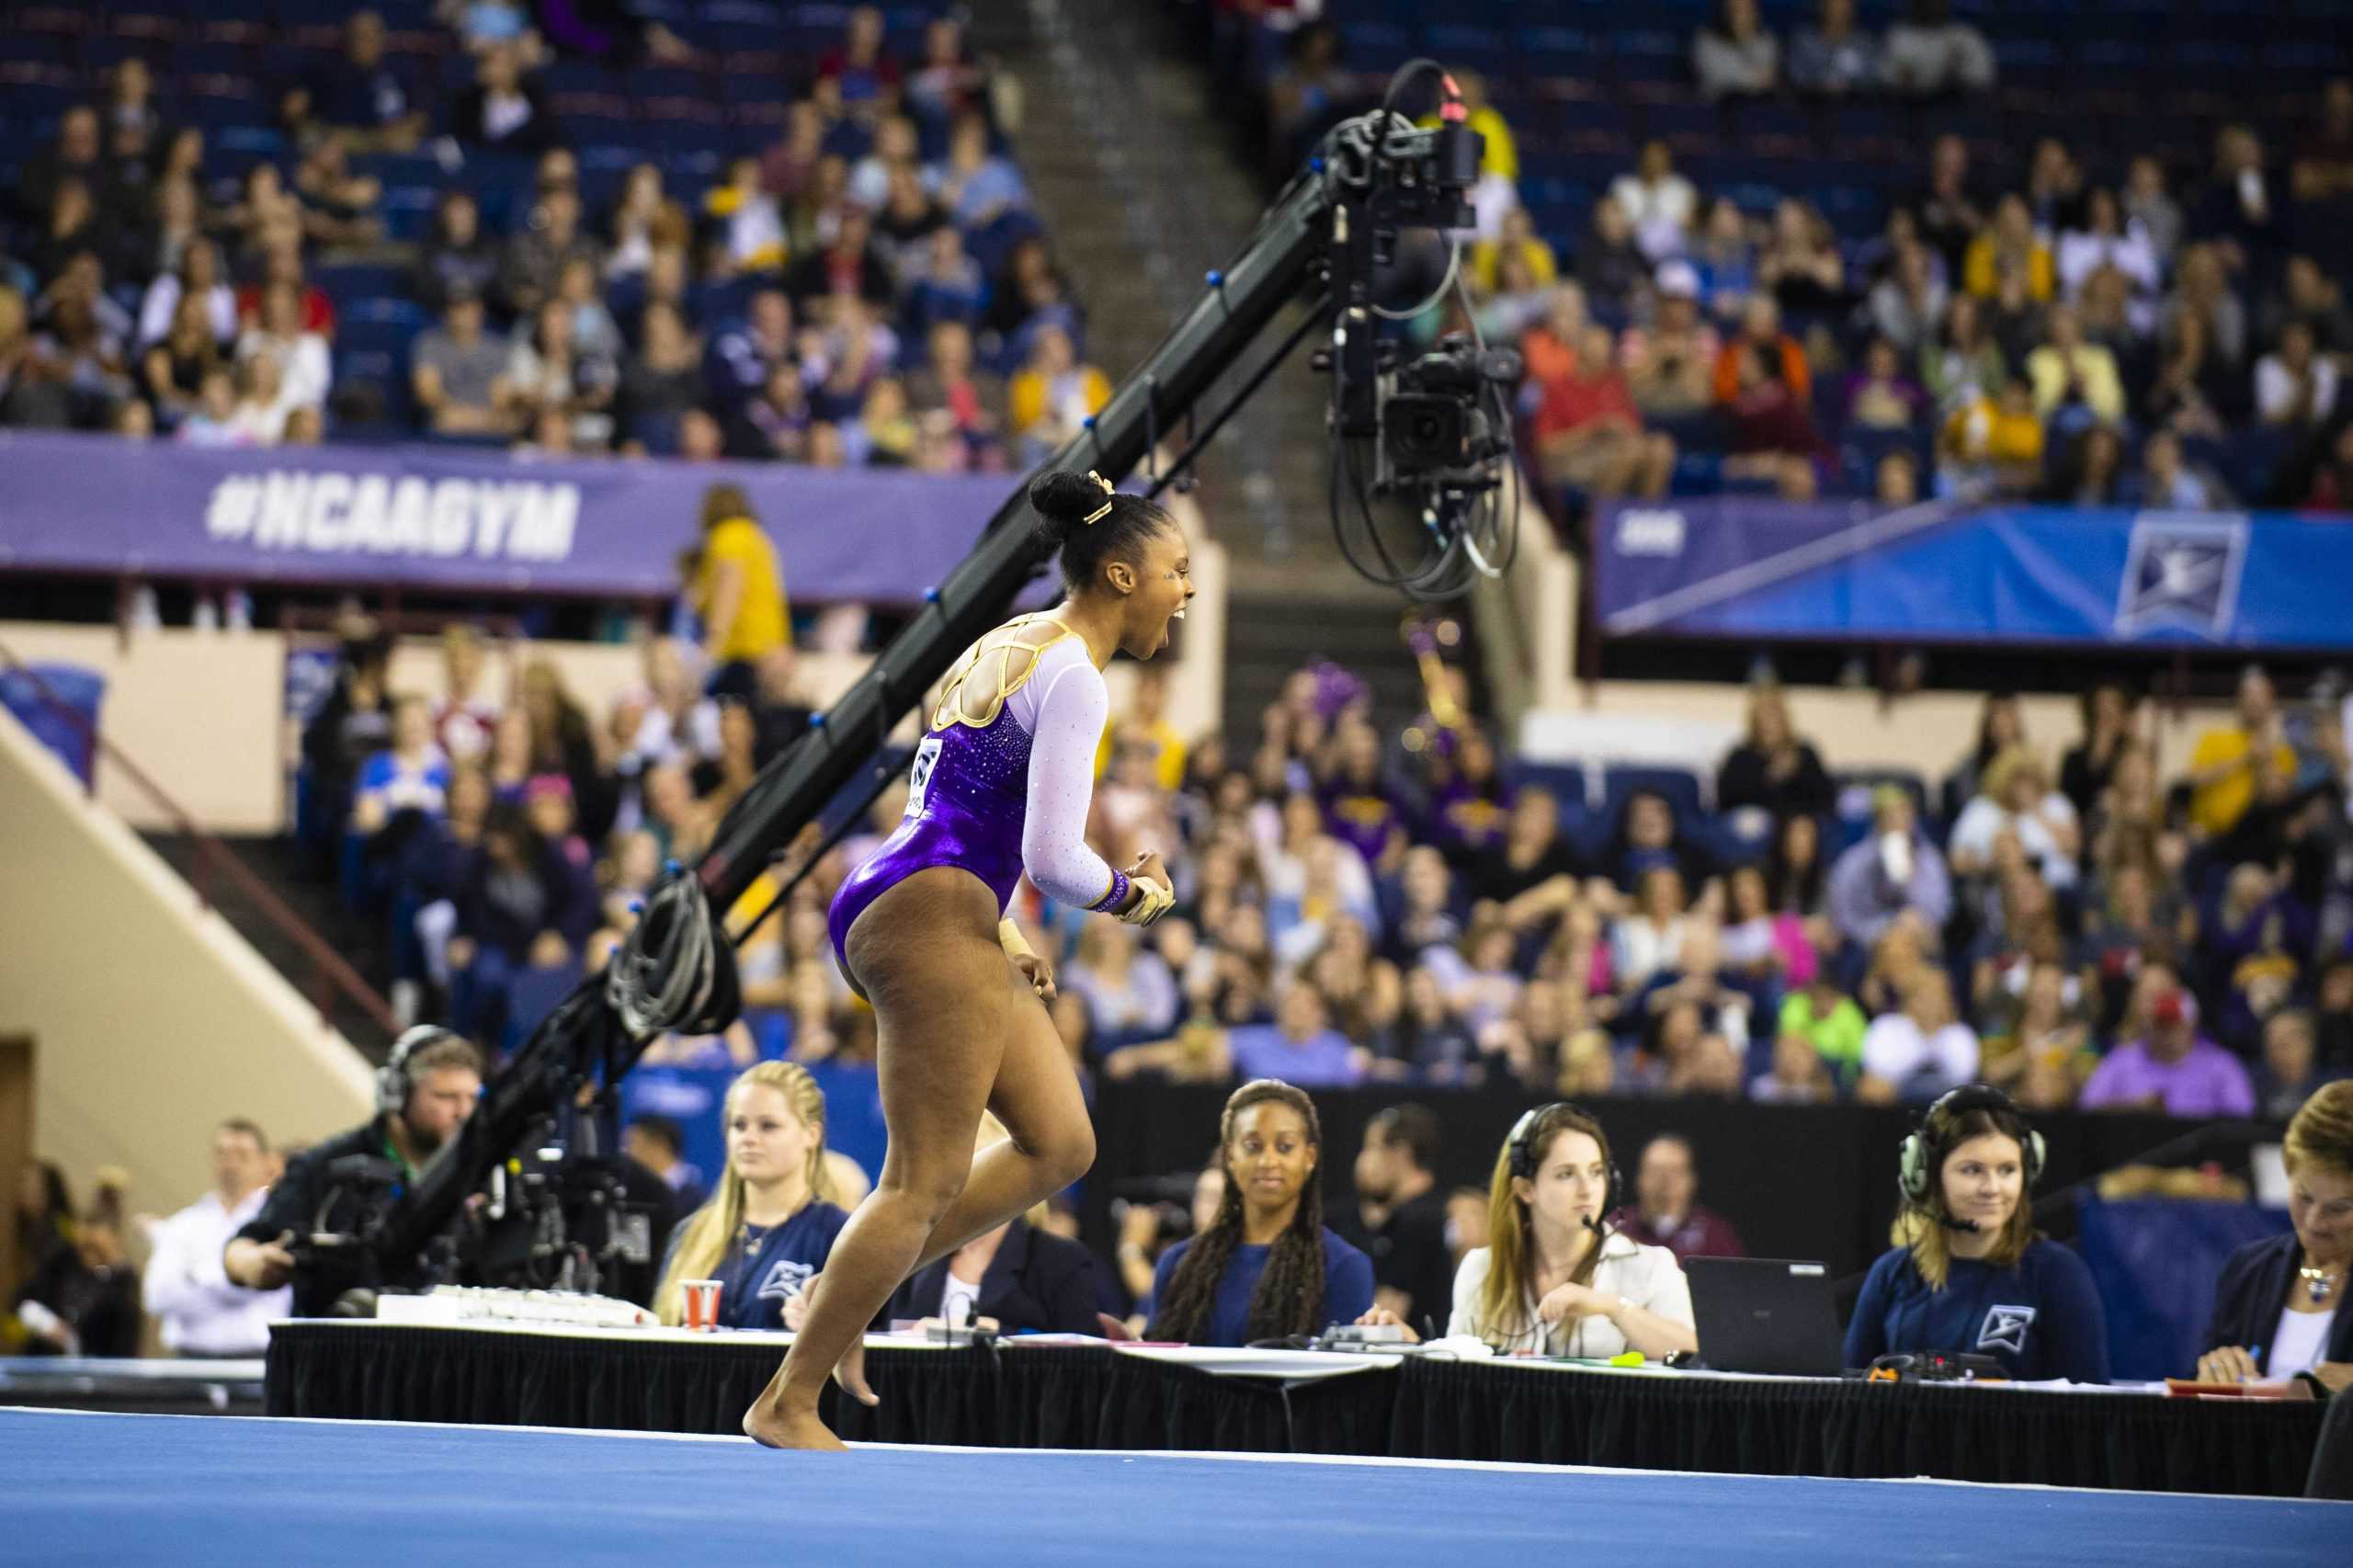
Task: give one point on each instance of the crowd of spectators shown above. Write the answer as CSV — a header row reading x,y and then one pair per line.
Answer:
x,y
2047,322
94,1278
869,287
1411,907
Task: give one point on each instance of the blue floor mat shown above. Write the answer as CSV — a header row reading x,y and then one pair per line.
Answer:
x,y
197,1491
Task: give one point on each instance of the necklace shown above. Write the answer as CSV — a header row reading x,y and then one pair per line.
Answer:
x,y
2319,1283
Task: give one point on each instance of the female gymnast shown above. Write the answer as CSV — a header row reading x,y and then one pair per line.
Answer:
x,y
1000,786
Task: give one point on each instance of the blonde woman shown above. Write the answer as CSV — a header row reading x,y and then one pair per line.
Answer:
x,y
2280,1305
769,1225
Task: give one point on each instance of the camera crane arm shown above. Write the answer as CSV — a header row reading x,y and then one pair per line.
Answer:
x,y
1320,239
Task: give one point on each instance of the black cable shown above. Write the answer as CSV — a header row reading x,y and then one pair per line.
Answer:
x,y
1340,461
1500,510
665,974
1397,79
1233,405
1507,434
1391,576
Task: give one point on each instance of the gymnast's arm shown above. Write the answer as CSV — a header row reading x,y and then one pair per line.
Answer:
x,y
1073,708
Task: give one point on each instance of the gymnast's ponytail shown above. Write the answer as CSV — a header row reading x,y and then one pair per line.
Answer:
x,y
1090,525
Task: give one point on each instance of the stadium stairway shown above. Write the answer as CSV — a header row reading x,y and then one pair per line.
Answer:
x,y
1140,185
275,860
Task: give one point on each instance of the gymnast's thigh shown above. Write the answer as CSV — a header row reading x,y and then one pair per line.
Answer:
x,y
1037,1093
927,951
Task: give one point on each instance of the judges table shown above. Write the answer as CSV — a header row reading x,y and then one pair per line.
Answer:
x,y
1087,1394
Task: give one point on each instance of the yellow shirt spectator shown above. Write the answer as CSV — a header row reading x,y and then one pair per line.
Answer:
x,y
739,587
2216,806
1987,431
1031,392
1487,261
2092,367
1980,276
1168,749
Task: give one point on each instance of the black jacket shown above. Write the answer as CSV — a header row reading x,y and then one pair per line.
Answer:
x,y
1036,1283
314,1197
2253,1292
1746,780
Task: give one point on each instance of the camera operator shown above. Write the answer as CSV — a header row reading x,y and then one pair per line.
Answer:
x,y
424,1092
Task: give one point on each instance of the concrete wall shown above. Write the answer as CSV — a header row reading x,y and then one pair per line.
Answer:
x,y
1694,724
201,713
151,1019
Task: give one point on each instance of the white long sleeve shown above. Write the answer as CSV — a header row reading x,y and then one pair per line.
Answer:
x,y
186,1288
1064,707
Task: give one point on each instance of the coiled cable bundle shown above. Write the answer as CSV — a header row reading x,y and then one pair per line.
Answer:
x,y
672,973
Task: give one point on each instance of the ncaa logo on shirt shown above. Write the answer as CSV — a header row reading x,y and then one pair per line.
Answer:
x,y
2004,1329
785,1280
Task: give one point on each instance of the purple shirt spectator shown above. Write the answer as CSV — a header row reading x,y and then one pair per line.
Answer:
x,y
1875,882
1298,1048
2204,1081
1363,818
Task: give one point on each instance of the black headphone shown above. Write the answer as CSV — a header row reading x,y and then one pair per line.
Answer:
x,y
1521,1147
1922,1155
394,1080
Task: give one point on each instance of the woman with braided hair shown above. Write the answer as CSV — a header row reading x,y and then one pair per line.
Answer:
x,y
1000,787
1265,1268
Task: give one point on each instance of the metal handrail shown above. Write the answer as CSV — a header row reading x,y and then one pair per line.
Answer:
x,y
330,973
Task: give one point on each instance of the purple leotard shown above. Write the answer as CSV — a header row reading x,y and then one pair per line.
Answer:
x,y
1004,795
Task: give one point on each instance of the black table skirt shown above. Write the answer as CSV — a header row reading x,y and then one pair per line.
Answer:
x,y
1485,1411
1083,1397
1047,1396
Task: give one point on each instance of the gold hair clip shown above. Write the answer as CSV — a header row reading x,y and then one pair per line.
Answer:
x,y
1105,509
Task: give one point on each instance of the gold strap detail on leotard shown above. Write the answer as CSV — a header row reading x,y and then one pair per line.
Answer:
x,y
952,707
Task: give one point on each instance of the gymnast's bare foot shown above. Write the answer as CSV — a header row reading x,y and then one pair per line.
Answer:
x,y
850,1375
772,1427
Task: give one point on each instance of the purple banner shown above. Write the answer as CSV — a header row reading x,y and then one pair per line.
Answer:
x,y
431,517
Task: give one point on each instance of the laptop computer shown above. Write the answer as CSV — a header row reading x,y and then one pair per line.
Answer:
x,y
1763,1314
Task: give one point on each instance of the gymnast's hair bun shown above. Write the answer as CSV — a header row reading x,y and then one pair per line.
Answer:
x,y
1064,499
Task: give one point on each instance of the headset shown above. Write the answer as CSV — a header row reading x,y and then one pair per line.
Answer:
x,y
1523,1156
395,1081
1923,1151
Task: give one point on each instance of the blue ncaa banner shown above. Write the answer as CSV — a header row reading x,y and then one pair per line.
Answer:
x,y
1944,572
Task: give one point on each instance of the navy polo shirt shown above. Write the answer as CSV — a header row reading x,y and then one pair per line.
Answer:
x,y
2040,1319
754,1281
